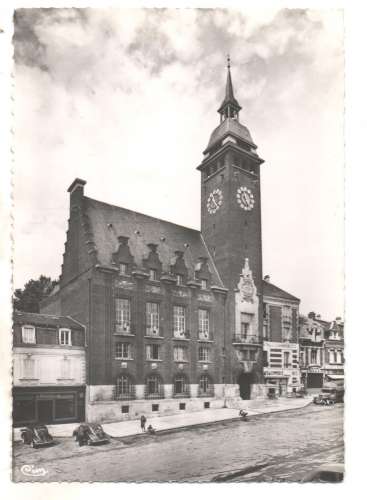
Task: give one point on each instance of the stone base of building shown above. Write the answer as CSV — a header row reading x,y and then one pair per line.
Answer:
x,y
114,411
232,395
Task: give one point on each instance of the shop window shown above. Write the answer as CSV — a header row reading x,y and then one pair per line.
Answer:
x,y
64,336
64,407
28,334
24,409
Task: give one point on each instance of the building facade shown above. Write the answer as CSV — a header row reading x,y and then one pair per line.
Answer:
x,y
48,369
321,350
174,316
281,345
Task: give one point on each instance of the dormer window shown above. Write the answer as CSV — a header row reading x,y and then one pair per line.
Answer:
x,y
123,269
204,284
152,275
28,334
64,336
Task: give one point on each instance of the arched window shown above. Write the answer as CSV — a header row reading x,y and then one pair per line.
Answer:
x,y
205,386
125,389
180,386
153,387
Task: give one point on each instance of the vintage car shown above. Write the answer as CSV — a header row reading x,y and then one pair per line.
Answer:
x,y
323,399
90,434
36,436
328,473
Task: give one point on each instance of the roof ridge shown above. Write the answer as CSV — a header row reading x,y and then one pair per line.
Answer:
x,y
145,215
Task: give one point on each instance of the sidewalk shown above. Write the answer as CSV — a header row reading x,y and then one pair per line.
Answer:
x,y
185,420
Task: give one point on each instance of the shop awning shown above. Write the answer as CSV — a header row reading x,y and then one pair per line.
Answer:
x,y
335,377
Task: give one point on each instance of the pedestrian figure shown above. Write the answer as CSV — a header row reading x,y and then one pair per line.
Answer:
x,y
151,430
143,422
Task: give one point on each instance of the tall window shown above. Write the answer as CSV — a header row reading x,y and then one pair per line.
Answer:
x,y
287,313
180,353
123,350
313,356
64,336
335,356
204,384
203,353
286,360
152,275
152,352
123,314
28,367
28,334
286,333
180,385
245,325
179,279
65,368
179,321
152,319
203,324
204,284
123,269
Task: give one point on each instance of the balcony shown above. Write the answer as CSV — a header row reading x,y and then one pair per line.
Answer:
x,y
154,332
205,337
124,329
181,335
246,339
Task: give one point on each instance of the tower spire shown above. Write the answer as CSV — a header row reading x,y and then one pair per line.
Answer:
x,y
229,107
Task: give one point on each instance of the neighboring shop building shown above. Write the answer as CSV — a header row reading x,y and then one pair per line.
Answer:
x,y
173,315
281,348
334,351
48,369
312,356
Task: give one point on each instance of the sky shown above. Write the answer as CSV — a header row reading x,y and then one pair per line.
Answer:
x,y
127,100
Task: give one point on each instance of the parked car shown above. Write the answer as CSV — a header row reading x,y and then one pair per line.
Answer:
x,y
328,473
323,399
90,434
36,436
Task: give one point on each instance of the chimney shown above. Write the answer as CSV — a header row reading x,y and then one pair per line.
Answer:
x,y
267,278
311,315
76,191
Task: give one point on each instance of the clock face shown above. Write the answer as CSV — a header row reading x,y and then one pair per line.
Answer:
x,y
215,200
245,198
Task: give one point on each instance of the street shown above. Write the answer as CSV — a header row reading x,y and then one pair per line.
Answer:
x,y
275,447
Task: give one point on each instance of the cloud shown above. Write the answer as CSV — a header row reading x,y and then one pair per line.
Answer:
x,y
127,99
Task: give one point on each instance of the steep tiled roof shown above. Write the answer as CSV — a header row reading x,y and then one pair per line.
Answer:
x,y
271,290
108,222
36,319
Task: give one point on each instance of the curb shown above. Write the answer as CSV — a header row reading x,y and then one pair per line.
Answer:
x,y
179,428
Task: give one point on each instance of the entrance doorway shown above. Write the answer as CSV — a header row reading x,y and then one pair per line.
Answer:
x,y
244,382
45,411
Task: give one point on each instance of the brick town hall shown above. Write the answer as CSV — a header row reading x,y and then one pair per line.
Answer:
x,y
178,319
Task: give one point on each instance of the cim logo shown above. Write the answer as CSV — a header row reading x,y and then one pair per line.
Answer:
x,y
31,470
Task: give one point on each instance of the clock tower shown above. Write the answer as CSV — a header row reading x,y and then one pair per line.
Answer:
x,y
231,214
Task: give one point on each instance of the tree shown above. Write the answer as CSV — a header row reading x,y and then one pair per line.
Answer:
x,y
29,298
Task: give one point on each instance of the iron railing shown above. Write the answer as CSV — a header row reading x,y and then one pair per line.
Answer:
x,y
246,339
118,395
